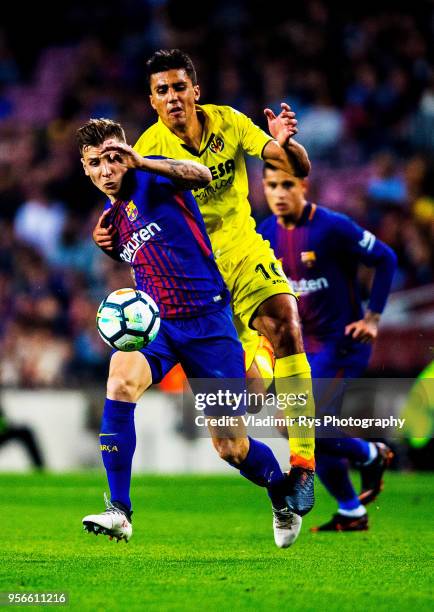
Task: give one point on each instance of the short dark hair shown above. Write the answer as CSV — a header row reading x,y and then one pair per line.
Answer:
x,y
169,59
95,131
297,171
267,166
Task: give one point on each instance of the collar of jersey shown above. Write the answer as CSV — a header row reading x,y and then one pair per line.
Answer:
x,y
116,205
307,214
211,126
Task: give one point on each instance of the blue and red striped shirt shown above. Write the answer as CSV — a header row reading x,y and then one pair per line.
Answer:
x,y
320,256
161,234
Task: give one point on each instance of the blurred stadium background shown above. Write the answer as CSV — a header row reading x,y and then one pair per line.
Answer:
x,y
361,80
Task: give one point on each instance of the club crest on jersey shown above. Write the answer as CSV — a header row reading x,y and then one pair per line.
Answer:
x,y
217,144
131,210
308,258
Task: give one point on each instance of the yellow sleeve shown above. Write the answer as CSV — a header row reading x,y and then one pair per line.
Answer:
x,y
252,138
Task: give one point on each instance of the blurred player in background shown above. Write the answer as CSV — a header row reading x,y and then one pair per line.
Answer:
x,y
418,412
320,252
262,300
23,434
161,234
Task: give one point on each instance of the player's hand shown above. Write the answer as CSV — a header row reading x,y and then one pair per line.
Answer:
x,y
121,152
365,330
104,236
283,126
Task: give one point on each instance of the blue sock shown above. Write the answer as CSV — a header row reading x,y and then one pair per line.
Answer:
x,y
349,504
333,473
260,466
355,449
117,444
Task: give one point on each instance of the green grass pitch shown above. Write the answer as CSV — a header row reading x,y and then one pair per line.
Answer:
x,y
205,542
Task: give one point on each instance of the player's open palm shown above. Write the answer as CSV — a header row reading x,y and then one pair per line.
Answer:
x,y
282,126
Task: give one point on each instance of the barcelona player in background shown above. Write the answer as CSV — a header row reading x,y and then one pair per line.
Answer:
x,y
160,233
320,251
261,298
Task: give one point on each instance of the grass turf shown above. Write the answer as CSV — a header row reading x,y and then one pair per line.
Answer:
x,y
206,542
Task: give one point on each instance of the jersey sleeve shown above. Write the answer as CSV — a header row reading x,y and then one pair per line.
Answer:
x,y
367,249
267,230
252,138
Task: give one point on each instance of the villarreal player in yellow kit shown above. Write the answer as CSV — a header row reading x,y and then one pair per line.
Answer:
x,y
247,263
262,300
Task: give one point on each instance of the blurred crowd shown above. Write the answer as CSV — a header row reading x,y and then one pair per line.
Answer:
x,y
362,84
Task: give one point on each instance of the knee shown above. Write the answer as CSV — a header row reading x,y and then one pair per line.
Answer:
x,y
279,321
285,333
232,451
123,388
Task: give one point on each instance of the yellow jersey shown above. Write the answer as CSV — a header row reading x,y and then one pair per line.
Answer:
x,y
227,135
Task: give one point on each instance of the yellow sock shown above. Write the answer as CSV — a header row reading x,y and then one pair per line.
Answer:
x,y
292,379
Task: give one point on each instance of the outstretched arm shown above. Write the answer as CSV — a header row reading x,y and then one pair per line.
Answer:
x,y
285,152
185,173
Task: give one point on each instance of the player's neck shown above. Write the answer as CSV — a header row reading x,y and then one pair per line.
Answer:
x,y
191,133
126,190
290,221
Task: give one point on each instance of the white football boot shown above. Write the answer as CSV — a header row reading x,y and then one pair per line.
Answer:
x,y
286,527
113,522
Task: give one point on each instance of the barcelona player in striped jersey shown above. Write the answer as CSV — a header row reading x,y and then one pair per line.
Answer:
x,y
160,233
320,252
261,298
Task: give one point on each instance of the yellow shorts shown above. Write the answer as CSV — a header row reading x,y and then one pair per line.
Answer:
x,y
252,277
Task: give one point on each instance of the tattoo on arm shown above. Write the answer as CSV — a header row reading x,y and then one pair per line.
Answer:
x,y
188,174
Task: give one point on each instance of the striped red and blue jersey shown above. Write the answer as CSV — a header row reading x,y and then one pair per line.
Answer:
x,y
320,256
161,234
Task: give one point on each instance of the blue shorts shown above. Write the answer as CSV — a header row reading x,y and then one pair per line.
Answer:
x,y
206,346
340,359
337,361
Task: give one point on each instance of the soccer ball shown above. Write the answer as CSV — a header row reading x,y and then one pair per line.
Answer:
x,y
128,319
